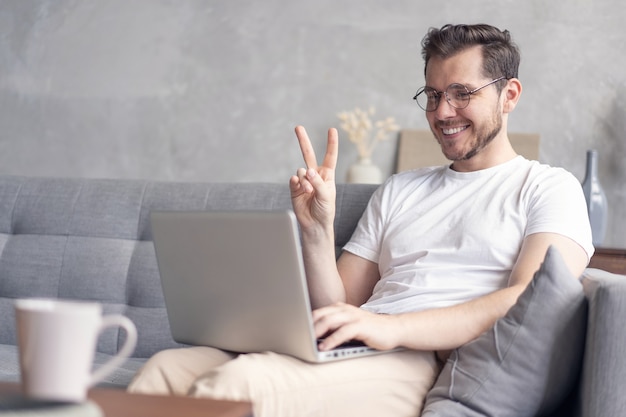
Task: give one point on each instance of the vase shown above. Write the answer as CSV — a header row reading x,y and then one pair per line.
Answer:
x,y
365,172
597,206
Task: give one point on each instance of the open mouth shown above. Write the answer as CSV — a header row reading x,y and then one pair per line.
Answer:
x,y
453,130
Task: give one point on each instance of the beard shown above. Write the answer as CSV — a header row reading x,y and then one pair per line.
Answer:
x,y
483,137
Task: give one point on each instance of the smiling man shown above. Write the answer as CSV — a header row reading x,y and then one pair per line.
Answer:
x,y
463,131
439,255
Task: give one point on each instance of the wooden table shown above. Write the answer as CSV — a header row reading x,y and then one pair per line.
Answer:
x,y
118,403
612,260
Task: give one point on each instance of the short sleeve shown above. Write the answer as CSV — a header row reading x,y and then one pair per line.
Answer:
x,y
557,205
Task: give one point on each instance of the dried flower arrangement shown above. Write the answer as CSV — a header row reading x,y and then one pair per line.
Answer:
x,y
358,124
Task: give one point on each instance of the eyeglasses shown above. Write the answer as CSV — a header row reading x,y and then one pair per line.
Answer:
x,y
457,95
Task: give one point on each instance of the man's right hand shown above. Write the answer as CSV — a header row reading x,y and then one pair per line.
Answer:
x,y
313,189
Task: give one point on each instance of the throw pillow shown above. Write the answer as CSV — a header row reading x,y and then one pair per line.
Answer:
x,y
528,362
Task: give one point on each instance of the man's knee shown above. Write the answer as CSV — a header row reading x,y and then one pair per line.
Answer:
x,y
230,381
173,371
163,358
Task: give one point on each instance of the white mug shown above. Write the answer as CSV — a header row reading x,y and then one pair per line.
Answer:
x,y
57,341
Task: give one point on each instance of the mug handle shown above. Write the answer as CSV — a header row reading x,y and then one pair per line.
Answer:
x,y
121,356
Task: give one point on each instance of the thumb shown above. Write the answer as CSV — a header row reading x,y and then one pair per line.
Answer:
x,y
315,179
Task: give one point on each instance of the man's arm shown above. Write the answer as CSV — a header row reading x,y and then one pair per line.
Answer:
x,y
449,327
313,200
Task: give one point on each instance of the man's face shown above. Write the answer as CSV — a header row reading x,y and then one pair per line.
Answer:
x,y
463,133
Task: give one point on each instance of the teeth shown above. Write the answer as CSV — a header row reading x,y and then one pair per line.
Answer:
x,y
454,130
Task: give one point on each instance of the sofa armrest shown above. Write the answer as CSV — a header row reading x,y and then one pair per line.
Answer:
x,y
604,368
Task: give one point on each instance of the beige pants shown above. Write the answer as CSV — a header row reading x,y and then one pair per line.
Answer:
x,y
391,384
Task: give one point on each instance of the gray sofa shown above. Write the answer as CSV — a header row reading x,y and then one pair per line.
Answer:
x,y
90,239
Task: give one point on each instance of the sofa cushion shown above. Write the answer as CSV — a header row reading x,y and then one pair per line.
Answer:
x,y
528,362
604,369
90,239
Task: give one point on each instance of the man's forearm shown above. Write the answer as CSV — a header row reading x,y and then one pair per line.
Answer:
x,y
324,282
451,327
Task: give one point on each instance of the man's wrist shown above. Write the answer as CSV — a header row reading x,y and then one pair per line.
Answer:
x,y
318,234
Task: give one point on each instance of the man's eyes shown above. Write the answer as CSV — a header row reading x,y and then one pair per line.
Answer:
x,y
460,94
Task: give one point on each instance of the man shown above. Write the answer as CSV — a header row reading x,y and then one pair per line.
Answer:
x,y
439,255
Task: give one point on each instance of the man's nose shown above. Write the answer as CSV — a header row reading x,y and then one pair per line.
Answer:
x,y
444,110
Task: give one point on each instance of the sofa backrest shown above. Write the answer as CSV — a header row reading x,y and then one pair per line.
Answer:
x,y
90,239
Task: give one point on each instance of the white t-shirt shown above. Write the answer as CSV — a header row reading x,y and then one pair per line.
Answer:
x,y
442,237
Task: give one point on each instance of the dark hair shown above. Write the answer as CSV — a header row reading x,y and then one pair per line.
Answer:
x,y
501,57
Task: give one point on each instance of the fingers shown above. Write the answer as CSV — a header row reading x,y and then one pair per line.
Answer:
x,y
340,323
307,180
332,149
306,148
337,324
301,182
313,188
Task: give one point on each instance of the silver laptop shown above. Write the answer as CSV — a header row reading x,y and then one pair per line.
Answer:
x,y
236,281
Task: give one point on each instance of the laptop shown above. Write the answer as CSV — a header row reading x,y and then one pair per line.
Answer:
x,y
235,281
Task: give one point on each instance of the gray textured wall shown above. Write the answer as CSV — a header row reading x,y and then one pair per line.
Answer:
x,y
211,89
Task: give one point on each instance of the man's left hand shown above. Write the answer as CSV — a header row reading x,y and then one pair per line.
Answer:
x,y
340,323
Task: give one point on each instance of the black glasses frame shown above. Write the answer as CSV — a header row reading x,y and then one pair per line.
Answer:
x,y
438,94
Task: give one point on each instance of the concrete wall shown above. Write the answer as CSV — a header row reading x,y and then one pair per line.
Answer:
x,y
211,89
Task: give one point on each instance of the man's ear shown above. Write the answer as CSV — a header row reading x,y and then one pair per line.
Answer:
x,y
512,93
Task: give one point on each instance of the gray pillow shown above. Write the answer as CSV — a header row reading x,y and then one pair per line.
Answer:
x,y
528,362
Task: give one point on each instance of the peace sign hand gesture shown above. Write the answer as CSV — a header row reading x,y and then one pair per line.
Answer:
x,y
313,188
